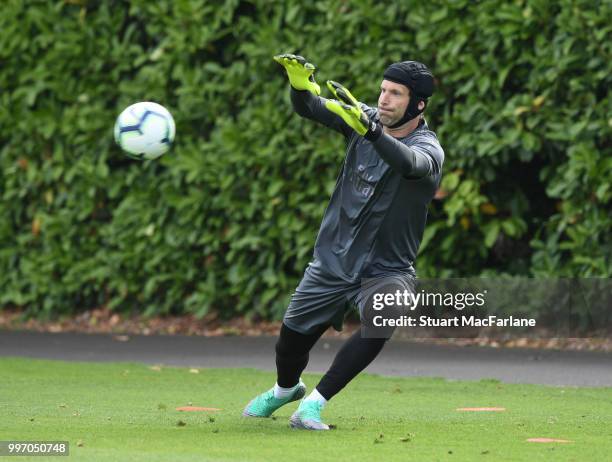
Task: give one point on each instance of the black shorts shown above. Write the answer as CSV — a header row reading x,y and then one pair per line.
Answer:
x,y
324,299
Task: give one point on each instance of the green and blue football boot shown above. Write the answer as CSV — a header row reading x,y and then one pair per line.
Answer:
x,y
265,404
308,416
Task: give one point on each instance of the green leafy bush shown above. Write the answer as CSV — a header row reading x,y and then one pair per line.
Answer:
x,y
228,219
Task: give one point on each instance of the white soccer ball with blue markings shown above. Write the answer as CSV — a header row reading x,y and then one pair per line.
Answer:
x,y
145,130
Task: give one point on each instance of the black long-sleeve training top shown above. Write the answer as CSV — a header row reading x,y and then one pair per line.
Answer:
x,y
376,216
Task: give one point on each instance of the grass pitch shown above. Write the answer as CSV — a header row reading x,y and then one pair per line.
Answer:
x,y
124,411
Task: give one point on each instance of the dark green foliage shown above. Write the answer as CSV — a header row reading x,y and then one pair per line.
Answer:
x,y
227,219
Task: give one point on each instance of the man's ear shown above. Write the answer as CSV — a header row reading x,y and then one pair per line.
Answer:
x,y
421,105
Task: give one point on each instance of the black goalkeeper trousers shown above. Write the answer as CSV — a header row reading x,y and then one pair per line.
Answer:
x,y
292,351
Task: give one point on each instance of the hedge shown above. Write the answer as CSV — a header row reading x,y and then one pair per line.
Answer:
x,y
227,220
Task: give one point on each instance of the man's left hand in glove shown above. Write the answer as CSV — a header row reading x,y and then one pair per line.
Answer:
x,y
348,108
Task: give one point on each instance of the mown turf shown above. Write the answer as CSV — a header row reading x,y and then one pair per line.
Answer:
x,y
124,411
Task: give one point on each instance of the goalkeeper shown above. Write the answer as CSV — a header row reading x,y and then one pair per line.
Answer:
x,y
371,229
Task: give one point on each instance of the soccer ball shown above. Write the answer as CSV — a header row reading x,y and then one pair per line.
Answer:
x,y
145,130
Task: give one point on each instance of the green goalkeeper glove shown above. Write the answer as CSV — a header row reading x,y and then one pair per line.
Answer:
x,y
300,72
346,106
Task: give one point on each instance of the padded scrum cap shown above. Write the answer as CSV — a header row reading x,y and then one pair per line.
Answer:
x,y
414,75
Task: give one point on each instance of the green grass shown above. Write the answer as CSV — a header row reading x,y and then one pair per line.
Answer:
x,y
126,411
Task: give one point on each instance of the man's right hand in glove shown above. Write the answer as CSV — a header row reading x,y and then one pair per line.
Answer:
x,y
300,72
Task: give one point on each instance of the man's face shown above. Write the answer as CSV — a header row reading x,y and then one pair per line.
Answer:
x,y
392,102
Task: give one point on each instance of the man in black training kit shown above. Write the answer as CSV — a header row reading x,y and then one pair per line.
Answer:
x,y
371,229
